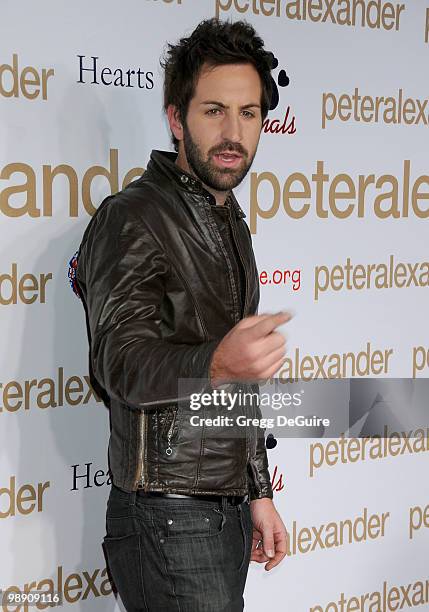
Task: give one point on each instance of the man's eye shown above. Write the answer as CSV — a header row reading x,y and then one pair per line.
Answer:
x,y
212,111
249,113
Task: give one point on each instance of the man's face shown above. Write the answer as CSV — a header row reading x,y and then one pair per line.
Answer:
x,y
224,116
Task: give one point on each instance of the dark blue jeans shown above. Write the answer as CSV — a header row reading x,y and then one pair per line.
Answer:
x,y
177,554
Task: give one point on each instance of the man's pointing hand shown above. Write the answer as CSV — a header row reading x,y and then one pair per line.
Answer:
x,y
251,350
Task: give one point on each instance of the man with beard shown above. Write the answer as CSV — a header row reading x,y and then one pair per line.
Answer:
x,y
168,280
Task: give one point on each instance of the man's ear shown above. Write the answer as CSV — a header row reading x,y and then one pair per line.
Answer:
x,y
174,121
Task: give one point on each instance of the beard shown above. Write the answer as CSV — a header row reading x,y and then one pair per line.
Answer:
x,y
220,179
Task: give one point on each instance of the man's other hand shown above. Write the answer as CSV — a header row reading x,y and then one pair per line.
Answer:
x,y
268,529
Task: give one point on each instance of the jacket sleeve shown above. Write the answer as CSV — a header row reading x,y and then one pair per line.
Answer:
x,y
121,274
259,480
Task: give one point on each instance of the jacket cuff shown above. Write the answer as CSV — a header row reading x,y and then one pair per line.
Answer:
x,y
259,482
266,491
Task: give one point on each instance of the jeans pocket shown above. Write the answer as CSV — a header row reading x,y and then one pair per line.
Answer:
x,y
195,524
192,543
122,548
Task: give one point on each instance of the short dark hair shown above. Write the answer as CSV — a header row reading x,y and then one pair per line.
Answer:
x,y
214,42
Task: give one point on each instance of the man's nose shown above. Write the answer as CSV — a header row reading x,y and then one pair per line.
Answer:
x,y
232,128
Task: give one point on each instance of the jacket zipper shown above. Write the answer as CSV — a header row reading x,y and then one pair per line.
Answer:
x,y
143,442
246,280
169,450
236,314
244,309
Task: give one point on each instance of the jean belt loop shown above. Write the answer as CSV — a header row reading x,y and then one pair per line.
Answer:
x,y
132,501
224,503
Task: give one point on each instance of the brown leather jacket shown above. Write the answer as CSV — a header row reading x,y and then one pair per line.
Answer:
x,y
154,279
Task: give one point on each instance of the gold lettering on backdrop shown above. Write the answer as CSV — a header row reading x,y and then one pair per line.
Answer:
x,y
20,198
373,14
386,597
17,396
341,196
390,110
25,288
22,500
29,82
346,450
352,276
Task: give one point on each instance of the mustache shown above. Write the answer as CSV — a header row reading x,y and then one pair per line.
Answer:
x,y
231,149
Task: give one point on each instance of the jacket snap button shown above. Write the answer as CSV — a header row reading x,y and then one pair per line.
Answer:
x,y
170,521
206,519
184,178
162,540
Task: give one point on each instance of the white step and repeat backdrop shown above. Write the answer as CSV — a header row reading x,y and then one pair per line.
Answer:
x,y
337,203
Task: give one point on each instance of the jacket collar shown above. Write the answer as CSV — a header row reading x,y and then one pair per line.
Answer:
x,y
164,162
